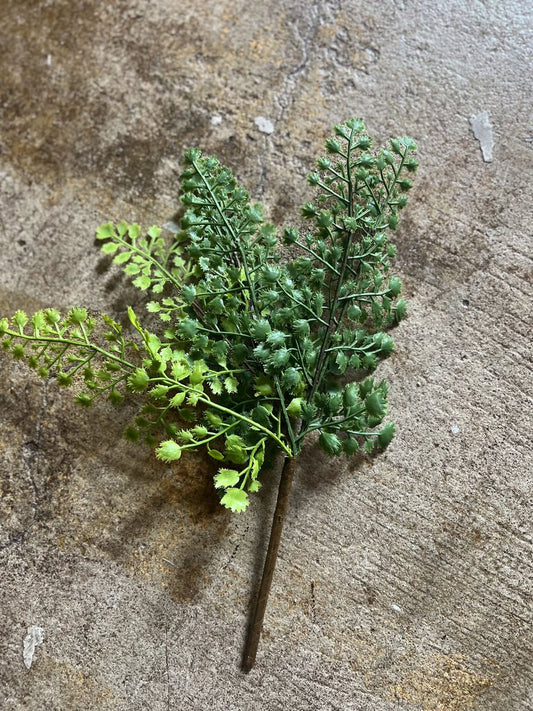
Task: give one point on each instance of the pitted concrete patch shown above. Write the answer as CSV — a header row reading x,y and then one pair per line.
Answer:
x,y
442,683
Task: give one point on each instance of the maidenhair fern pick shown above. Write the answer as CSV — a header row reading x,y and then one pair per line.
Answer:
x,y
254,352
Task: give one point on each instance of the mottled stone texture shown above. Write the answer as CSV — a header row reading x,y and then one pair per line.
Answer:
x,y
403,583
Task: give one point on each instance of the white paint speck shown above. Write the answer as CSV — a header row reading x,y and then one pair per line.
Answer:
x,y
48,60
32,640
172,227
396,608
264,125
216,120
455,429
482,129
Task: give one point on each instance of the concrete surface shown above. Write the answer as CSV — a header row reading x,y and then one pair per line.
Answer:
x,y
404,583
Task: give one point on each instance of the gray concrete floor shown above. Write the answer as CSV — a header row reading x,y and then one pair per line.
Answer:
x,y
404,583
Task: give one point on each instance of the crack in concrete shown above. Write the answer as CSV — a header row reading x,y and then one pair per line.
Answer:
x,y
167,667
304,39
236,548
290,83
312,605
30,455
262,167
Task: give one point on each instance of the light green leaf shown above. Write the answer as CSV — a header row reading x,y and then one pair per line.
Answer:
x,y
193,397
177,400
139,380
153,344
263,386
132,269
257,462
20,319
226,477
109,248
159,392
235,450
105,231
215,386
180,370
235,499
231,384
294,408
197,373
122,257
154,232
169,451
134,231
215,454
142,282
133,319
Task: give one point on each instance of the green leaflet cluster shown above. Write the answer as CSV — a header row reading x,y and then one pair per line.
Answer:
x,y
65,347
253,351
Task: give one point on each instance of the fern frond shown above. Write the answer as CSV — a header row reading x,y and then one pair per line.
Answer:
x,y
254,351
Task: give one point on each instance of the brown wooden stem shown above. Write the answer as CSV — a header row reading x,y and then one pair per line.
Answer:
x,y
254,632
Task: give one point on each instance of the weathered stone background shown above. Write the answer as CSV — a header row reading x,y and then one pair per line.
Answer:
x,y
403,583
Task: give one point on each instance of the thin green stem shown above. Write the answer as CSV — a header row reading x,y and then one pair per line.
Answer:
x,y
347,248
233,413
317,257
338,175
58,357
286,417
224,333
374,199
332,193
364,294
216,435
399,170
132,247
304,306
330,423
83,362
248,470
302,364
229,227
69,342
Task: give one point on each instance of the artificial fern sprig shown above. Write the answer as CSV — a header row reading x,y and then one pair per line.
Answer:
x,y
64,347
254,352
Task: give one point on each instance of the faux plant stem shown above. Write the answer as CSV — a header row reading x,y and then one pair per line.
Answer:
x,y
282,503
254,352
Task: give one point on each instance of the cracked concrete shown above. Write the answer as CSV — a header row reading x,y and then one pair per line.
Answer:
x,y
403,583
